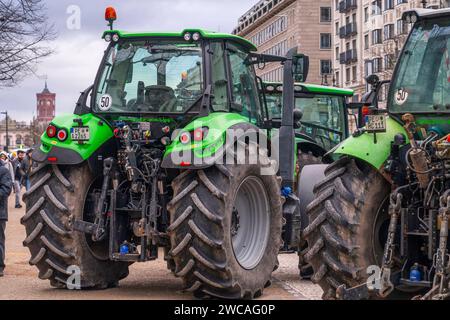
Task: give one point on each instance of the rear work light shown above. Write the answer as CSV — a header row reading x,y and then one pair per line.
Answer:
x,y
185,138
51,131
200,134
62,135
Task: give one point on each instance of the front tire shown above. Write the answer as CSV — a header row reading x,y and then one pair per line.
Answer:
x,y
209,207
341,235
54,201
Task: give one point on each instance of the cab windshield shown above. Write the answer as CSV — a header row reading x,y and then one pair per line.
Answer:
x,y
323,116
422,80
141,76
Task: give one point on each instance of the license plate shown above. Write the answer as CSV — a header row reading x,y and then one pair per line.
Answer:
x,y
80,133
376,123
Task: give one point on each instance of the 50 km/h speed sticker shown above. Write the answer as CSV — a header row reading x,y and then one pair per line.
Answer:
x,y
105,102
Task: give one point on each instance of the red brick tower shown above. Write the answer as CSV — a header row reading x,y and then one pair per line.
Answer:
x,y
45,105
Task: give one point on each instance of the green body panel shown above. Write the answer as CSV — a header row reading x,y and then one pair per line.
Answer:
x,y
217,123
99,134
365,148
205,34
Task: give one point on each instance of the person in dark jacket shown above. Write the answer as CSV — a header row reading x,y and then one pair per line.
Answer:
x,y
20,169
5,191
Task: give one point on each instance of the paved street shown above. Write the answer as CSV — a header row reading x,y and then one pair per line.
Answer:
x,y
146,281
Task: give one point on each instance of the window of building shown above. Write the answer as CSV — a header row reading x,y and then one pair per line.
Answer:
x,y
325,67
402,26
402,1
389,61
337,79
376,7
347,75
325,41
366,14
336,3
388,4
366,41
325,14
336,26
270,31
337,53
354,73
377,65
376,36
388,31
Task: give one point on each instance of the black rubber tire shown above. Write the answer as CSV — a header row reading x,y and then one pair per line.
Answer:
x,y
340,236
304,159
200,232
56,198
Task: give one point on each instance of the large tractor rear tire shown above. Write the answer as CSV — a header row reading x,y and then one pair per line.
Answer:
x,y
55,200
225,230
346,220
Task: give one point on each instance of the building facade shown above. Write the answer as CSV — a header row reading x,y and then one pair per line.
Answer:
x,y
275,26
19,133
367,39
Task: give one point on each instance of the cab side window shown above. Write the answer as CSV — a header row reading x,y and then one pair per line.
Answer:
x,y
219,78
244,90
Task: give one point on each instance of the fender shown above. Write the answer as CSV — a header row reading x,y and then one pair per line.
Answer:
x,y
363,147
203,154
307,145
69,152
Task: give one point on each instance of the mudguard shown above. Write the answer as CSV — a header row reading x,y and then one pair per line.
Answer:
x,y
203,154
309,177
69,152
370,149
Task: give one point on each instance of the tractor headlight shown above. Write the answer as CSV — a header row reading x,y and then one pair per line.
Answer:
x,y
115,37
408,18
187,36
108,38
414,18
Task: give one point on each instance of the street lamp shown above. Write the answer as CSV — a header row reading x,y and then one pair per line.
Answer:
x,y
7,133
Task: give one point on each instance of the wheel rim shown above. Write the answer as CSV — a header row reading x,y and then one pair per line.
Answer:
x,y
250,222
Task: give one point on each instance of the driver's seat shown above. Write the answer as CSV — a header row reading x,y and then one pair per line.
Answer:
x,y
160,98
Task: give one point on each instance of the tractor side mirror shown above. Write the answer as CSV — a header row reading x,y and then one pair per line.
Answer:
x,y
300,65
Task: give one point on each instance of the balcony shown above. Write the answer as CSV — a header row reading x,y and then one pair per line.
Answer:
x,y
348,30
348,57
347,5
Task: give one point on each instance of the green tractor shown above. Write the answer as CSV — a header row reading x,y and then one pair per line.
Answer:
x,y
379,220
157,155
325,117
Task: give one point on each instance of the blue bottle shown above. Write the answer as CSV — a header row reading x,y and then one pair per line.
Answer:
x,y
415,274
124,248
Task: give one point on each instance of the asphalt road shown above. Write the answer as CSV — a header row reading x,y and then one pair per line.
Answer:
x,y
146,280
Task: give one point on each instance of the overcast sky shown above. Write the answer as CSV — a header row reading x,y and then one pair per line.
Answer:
x,y
78,52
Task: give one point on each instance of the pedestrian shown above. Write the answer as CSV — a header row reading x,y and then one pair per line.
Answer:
x,y
19,174
27,166
7,163
5,191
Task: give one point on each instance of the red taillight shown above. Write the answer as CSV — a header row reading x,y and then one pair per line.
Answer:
x,y
110,14
366,111
62,135
185,138
185,164
51,131
198,134
52,159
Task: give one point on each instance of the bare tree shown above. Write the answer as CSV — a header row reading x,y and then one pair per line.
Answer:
x,y
24,36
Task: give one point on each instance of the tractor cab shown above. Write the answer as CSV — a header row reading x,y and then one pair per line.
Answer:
x,y
324,111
